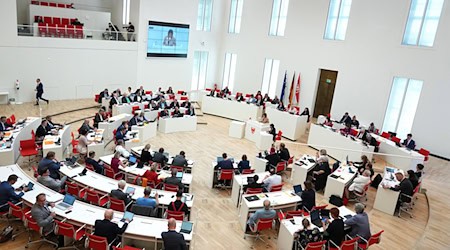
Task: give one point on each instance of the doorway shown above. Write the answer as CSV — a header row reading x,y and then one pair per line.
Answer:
x,y
325,92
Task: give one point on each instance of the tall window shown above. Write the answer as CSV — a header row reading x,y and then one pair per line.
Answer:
x,y
422,22
126,11
229,70
270,77
279,16
204,15
338,14
234,26
199,71
402,106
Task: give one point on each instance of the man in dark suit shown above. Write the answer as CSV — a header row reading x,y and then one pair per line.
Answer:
x,y
125,98
159,157
39,91
409,142
173,180
103,94
42,131
272,159
7,192
121,133
114,100
85,126
172,239
174,104
405,187
225,164
180,160
97,165
99,117
119,194
164,113
3,125
284,152
109,230
133,121
140,91
52,125
345,119
53,165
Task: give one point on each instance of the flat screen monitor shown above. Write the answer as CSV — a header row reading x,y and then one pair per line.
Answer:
x,y
167,39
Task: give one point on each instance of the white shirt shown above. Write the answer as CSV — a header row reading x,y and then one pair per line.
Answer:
x,y
359,183
122,151
272,180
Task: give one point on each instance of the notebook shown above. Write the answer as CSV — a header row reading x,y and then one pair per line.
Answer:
x,y
186,227
66,203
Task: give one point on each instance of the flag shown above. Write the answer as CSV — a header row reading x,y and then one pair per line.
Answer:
x,y
297,91
291,92
284,86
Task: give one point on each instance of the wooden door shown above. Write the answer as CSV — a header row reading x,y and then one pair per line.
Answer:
x,y
325,92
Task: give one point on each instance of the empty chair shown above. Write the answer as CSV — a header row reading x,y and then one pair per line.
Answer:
x,y
350,244
425,153
70,29
171,188
385,135
118,205
47,19
74,189
28,148
97,242
254,190
314,245
44,3
52,30
61,5
18,213
94,198
248,171
35,2
61,30
65,21
79,31
52,4
276,188
395,139
109,172
42,28
56,20
374,239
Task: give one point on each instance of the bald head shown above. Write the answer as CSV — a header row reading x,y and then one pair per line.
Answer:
x,y
266,204
109,214
172,224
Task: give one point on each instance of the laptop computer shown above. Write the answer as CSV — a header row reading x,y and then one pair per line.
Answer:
x,y
250,179
66,203
315,218
130,190
132,160
186,227
127,215
71,161
298,190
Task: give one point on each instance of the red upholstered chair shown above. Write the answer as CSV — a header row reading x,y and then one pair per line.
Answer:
x,y
28,148
170,187
306,212
248,95
118,205
79,31
353,132
350,244
94,198
75,190
276,188
395,139
248,171
52,4
183,98
47,19
281,166
177,215
61,5
261,225
70,231
97,242
178,168
52,30
18,213
44,3
35,171
61,30
31,226
226,175
114,136
127,248
89,167
97,97
109,172
289,214
254,191
70,30
278,137
208,89
42,28
134,108
35,2
425,153
180,92
385,135
315,245
374,239
57,20
148,92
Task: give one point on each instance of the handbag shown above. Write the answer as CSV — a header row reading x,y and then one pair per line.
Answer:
x,y
336,200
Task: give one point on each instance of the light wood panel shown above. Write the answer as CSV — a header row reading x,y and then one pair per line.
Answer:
x,y
216,219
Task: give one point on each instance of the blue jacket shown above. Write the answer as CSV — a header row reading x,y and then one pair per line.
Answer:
x,y
7,193
119,135
52,166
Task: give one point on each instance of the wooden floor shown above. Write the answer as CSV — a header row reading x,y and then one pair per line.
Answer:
x,y
216,219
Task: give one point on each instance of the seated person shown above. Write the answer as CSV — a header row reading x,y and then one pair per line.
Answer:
x,y
275,100
76,22
178,205
42,131
4,126
307,234
281,107
283,152
347,130
358,184
264,213
177,113
180,160
413,178
174,104
174,180
328,122
266,98
405,187
239,97
52,125
272,131
359,223
164,113
45,179
272,159
120,134
121,149
148,201
120,194
51,163
162,104
254,184
419,170
134,120
191,111
305,113
259,102
320,173
126,98
43,214
160,158
100,117
251,99
85,126
361,165
355,122
152,175
116,162
308,196
141,118
169,91
8,192
109,230
146,156
271,180
213,90
172,239
103,94
97,165
225,163
243,164
371,128
346,119
124,124
334,230
409,142
264,118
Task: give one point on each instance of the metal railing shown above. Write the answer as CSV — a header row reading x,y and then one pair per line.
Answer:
x,y
72,32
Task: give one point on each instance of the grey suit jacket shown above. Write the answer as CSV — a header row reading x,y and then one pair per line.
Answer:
x,y
50,182
42,217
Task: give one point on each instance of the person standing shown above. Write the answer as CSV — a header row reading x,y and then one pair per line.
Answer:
x,y
130,32
39,92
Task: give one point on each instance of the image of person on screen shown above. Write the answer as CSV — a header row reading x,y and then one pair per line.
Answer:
x,y
169,40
